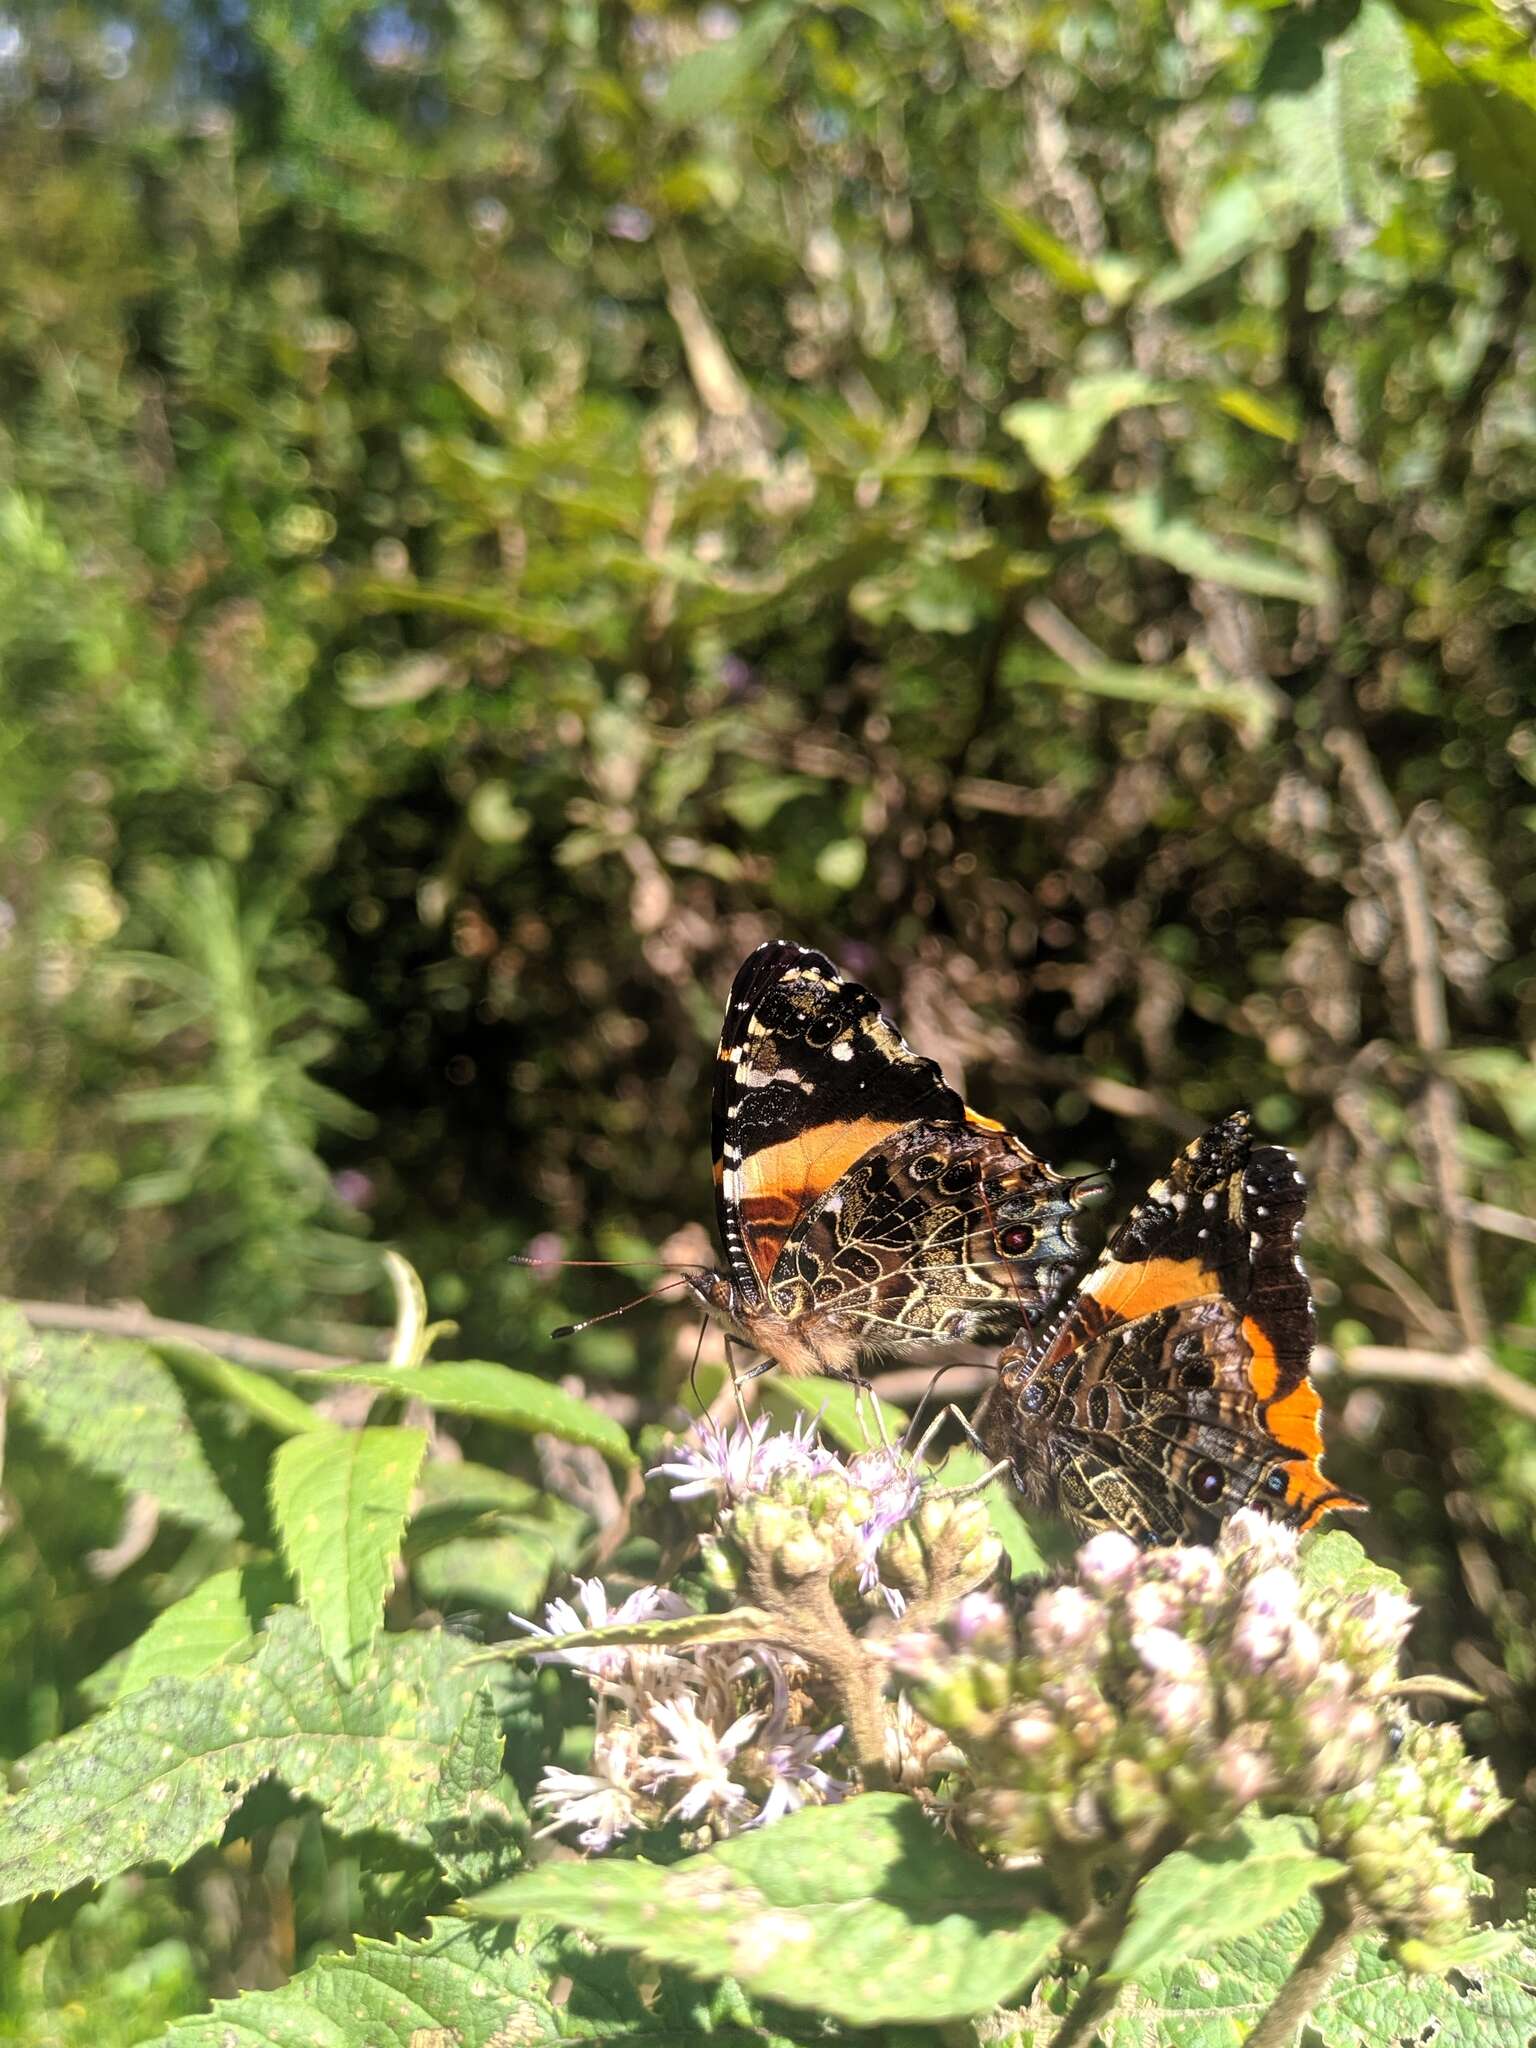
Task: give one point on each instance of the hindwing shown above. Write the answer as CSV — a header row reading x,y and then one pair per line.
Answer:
x,y
1173,1387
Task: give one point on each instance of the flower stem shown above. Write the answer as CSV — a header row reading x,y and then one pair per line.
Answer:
x,y
1095,2002
1315,1969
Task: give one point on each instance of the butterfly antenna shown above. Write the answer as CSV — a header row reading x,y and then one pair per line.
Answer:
x,y
666,1265
570,1329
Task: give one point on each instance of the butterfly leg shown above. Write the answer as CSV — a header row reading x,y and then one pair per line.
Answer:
x,y
861,1388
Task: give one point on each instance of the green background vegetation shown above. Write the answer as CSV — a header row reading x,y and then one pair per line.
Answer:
x,y
502,508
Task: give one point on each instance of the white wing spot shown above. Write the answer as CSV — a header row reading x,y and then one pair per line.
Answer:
x,y
842,1050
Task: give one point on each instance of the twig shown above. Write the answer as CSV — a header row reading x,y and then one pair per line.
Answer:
x,y
235,1345
1093,2004
1431,1023
1469,1372
1316,1967
1481,1215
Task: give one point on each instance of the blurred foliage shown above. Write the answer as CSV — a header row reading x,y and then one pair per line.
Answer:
x,y
502,509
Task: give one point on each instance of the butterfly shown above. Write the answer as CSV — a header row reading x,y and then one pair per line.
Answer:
x,y
862,1206
1172,1389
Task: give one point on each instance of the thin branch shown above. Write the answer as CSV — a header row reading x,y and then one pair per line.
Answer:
x,y
1431,1022
235,1345
1316,1967
1481,1215
1467,1372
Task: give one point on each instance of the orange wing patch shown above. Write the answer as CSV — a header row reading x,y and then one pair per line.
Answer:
x,y
782,1181
978,1122
1142,1288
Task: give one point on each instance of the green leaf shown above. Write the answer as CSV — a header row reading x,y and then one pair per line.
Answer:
x,y
1217,2000
864,1911
517,1400
1057,435
1332,135
113,1407
708,79
1051,254
339,1501
1477,79
1239,219
845,1415
1219,1890
756,800
272,1404
157,1776
1333,1560
1245,704
1146,529
482,1986
1264,415
740,1625
199,1631
505,1570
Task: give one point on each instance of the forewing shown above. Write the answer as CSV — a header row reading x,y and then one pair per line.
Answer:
x,y
911,1244
808,1076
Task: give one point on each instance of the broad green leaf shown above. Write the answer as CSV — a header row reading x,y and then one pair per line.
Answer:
x,y
1146,529
1477,79
1240,218
864,1911
1025,1558
199,1631
1059,433
496,1393
504,1569
1333,1560
1332,134
754,801
112,1406
1218,1890
482,1986
1217,2000
155,1778
709,79
339,1501
845,1415
271,1403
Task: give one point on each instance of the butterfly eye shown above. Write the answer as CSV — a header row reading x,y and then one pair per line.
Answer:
x,y
1016,1240
821,1031
1277,1483
1206,1483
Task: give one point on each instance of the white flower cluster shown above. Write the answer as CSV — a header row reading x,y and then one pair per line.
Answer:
x,y
671,1741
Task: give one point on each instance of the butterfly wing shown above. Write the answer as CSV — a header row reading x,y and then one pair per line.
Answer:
x,y
1174,1389
808,1076
939,1234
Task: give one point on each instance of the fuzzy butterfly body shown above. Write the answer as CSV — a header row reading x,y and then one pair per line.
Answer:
x,y
863,1208
1172,1389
